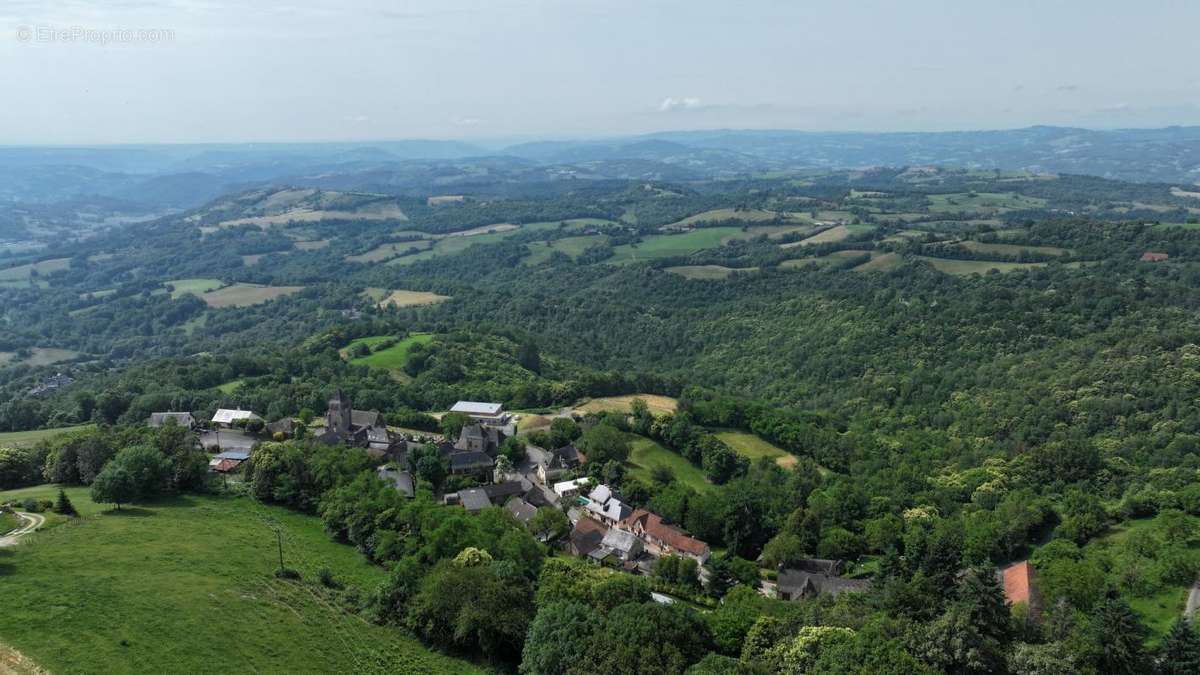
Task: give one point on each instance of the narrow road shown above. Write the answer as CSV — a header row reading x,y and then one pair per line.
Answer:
x,y
1193,600
32,521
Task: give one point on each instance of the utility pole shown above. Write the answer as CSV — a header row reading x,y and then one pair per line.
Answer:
x,y
279,539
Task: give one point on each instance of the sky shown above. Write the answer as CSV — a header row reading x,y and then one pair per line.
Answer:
x,y
142,71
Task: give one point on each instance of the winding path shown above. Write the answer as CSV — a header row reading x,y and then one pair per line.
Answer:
x,y
1193,600
32,521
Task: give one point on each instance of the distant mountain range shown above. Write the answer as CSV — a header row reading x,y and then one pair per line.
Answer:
x,y
183,176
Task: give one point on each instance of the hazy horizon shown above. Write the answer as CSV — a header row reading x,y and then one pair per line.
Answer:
x,y
84,72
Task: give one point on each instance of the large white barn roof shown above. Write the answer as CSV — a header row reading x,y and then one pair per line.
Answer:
x,y
477,408
226,416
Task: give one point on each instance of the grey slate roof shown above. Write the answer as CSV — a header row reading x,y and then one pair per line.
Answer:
x,y
474,499
521,509
468,461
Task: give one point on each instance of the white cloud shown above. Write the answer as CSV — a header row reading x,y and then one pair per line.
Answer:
x,y
671,104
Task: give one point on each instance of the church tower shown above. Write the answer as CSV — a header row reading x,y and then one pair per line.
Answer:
x,y
337,420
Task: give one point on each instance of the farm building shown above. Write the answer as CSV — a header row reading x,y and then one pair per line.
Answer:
x,y
484,413
228,461
225,417
1154,256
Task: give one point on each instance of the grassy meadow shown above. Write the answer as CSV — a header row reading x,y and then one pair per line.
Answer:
x,y
752,447
198,287
393,357
964,267
402,298
659,405
645,455
186,585
245,295
19,439
706,272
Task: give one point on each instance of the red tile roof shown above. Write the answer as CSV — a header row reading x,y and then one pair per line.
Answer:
x,y
1018,583
226,465
1154,256
652,524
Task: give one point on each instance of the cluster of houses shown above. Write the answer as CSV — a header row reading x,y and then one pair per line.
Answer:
x,y
610,532
605,530
52,384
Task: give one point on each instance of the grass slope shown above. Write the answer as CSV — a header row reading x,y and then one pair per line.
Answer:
x,y
645,455
181,287
244,295
659,405
393,357
706,272
752,447
186,585
17,439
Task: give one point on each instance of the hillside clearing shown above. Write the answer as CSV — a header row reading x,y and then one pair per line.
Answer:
x,y
411,298
707,272
752,447
1012,249
659,405
245,295
645,455
198,287
17,439
833,234
191,580
391,358
964,267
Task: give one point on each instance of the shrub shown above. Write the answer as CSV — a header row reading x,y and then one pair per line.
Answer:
x,y
325,576
287,573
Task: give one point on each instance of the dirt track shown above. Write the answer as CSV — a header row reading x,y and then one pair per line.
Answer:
x,y
32,522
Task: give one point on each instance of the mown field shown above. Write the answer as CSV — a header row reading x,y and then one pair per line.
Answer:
x,y
670,245
244,295
645,455
1011,249
461,241
198,287
963,267
186,585
752,447
540,251
404,298
18,439
389,251
707,272
659,405
22,273
393,357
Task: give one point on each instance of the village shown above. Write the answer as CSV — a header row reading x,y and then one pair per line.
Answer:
x,y
603,528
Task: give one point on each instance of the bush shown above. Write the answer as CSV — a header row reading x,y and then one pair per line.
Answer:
x,y
287,573
325,576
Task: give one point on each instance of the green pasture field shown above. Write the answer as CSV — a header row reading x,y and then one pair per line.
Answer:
x,y
187,585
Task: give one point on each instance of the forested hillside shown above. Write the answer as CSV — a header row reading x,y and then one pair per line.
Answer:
x,y
963,369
